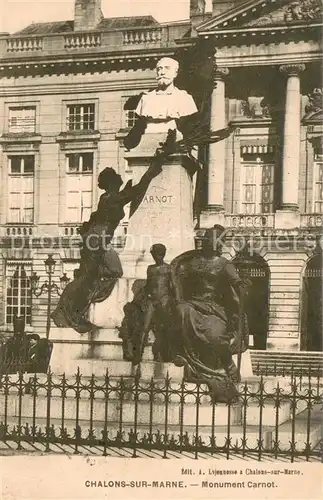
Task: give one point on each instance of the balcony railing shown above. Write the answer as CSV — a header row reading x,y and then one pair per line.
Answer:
x,y
70,230
16,231
82,41
95,41
22,44
311,220
252,221
143,36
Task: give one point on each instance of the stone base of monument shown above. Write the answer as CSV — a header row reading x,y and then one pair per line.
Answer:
x,y
101,350
245,365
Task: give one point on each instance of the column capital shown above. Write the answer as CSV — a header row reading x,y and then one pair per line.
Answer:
x,y
219,73
292,69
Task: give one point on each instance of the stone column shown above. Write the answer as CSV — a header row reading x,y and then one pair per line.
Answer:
x,y
292,129
217,150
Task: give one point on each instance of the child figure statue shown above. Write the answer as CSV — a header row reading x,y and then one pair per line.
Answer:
x,y
160,307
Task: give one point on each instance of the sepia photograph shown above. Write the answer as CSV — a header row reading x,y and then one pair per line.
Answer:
x,y
161,241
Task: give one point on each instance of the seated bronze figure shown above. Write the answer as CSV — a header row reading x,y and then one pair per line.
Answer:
x,y
208,293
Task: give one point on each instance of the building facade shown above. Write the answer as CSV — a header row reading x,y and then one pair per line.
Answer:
x,y
255,66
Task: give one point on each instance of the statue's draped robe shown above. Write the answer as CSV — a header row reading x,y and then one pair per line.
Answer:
x,y
208,317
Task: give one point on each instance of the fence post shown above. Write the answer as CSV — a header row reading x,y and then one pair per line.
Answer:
x,y
308,423
106,409
244,418
49,395
198,402
92,394
277,407
293,415
167,382
6,397
34,393
261,406
20,394
63,434
78,432
151,404
136,400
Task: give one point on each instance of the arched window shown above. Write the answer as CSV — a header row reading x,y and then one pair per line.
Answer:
x,y
18,291
254,269
311,316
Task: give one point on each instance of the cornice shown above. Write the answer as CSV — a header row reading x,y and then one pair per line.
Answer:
x,y
266,59
83,63
253,30
20,138
77,87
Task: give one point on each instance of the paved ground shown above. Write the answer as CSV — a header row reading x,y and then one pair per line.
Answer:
x,y
9,448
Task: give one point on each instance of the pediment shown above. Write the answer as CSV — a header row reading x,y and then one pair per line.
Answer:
x,y
255,13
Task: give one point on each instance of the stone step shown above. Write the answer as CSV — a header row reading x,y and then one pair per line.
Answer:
x,y
110,350
286,361
181,405
118,368
206,433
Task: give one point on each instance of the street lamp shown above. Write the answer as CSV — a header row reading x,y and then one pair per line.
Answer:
x,y
48,287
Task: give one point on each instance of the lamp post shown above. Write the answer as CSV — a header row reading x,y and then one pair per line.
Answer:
x,y
48,287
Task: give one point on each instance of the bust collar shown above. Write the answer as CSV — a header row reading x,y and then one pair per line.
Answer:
x,y
169,91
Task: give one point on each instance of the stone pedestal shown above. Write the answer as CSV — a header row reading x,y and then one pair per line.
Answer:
x,y
245,366
165,214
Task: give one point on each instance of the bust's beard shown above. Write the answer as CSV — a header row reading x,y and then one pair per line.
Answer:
x,y
163,83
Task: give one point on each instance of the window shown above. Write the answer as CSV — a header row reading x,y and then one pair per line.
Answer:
x,y
18,291
22,120
79,187
80,117
257,183
131,118
318,184
130,105
21,189
69,267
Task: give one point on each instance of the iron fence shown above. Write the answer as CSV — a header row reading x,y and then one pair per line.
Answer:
x,y
281,417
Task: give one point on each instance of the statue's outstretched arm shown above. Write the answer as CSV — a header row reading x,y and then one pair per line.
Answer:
x,y
130,192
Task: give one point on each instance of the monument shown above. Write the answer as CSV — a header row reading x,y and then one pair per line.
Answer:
x,y
104,301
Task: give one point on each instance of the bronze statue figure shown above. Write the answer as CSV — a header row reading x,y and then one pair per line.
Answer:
x,y
208,293
132,324
160,306
152,309
100,265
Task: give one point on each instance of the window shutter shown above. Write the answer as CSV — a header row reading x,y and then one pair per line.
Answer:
x,y
27,212
249,189
318,190
86,197
73,198
267,189
14,199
